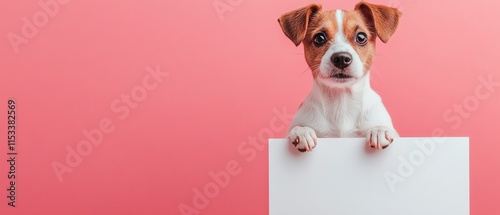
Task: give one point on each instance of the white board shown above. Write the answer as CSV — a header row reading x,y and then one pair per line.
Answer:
x,y
343,176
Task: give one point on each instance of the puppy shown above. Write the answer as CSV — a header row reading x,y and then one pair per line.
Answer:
x,y
339,47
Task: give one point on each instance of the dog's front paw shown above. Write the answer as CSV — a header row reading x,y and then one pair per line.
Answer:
x,y
381,137
304,138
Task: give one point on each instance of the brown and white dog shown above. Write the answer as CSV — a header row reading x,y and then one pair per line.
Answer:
x,y
339,47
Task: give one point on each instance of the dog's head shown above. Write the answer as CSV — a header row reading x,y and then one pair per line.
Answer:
x,y
339,45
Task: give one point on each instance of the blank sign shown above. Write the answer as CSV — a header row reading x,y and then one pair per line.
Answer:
x,y
343,176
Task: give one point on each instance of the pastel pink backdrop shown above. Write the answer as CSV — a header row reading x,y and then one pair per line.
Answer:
x,y
226,78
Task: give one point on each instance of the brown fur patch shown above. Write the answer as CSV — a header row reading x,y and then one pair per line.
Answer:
x,y
353,24
384,20
323,21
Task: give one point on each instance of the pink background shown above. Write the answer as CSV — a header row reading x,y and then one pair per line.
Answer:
x,y
226,76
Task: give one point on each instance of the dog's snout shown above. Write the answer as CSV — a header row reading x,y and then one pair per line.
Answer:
x,y
341,60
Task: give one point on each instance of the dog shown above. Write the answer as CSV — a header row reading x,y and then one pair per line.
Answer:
x,y
339,47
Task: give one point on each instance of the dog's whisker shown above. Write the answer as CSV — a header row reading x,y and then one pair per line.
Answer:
x,y
374,74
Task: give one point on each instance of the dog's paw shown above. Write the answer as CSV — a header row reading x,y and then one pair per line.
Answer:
x,y
381,137
304,138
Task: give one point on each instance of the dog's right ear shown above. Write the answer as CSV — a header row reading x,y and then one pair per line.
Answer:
x,y
294,23
384,20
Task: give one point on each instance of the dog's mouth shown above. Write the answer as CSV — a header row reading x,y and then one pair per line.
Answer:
x,y
341,76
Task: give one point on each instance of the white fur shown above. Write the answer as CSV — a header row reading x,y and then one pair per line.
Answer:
x,y
349,109
340,38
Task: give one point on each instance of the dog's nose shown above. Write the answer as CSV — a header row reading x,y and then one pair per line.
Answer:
x,y
341,60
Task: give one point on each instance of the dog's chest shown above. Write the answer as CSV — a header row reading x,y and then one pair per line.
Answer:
x,y
342,118
344,125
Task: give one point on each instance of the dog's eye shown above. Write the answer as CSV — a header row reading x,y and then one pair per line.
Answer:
x,y
361,38
319,39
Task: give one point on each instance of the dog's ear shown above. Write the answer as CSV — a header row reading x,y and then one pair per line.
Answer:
x,y
294,23
382,19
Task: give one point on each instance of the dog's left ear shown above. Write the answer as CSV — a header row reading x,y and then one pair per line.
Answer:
x,y
382,19
294,23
